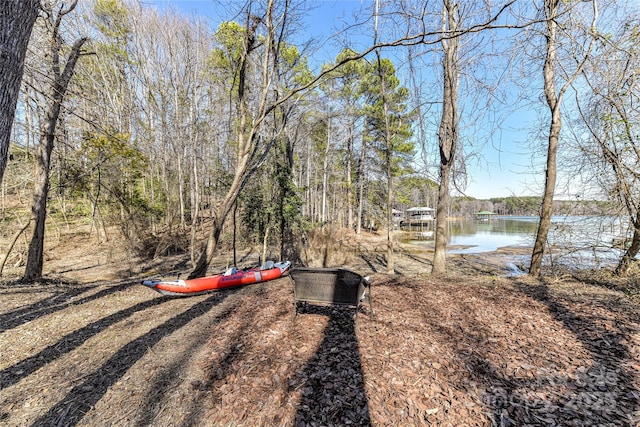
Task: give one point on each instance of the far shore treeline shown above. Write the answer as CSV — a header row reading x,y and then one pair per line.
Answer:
x,y
528,206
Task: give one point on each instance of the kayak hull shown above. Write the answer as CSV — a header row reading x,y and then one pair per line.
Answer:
x,y
220,281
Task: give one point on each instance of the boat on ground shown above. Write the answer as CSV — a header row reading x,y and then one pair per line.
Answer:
x,y
230,279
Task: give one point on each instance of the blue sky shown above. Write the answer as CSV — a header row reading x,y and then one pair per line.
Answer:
x,y
502,168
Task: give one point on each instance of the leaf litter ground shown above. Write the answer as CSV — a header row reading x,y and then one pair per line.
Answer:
x,y
473,347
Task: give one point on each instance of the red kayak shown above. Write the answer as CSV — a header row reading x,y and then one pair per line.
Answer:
x,y
232,278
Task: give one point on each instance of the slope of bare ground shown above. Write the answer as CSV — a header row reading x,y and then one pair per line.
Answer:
x,y
475,347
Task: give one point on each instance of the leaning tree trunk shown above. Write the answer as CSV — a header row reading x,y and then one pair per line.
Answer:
x,y
207,252
17,18
631,252
248,138
33,269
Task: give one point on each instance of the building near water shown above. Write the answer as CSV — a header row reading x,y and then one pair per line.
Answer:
x,y
419,216
485,215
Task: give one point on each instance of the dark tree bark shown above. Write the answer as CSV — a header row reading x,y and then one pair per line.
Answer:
x,y
61,79
17,18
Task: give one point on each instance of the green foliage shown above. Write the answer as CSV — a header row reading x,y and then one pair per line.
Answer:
x,y
254,216
230,36
319,132
273,201
115,148
112,18
294,65
120,168
413,189
110,52
106,73
224,59
347,79
401,146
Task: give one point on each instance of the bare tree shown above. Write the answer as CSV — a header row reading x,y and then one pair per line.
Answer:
x,y
612,154
467,52
17,18
448,131
60,78
554,10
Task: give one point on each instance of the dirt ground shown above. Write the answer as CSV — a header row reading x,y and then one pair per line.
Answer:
x,y
478,346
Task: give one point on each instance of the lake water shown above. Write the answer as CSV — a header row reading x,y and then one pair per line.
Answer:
x,y
487,236
586,239
471,236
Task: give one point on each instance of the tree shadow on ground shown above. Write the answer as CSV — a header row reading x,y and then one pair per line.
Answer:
x,y
606,389
418,259
68,343
367,260
601,391
162,386
407,263
217,371
373,259
572,368
64,295
246,369
73,407
334,391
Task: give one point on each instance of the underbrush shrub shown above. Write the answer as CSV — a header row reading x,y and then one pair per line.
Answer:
x,y
164,243
606,278
325,246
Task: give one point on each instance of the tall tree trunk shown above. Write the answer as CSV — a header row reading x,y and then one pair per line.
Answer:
x,y
325,172
181,161
388,168
554,102
349,192
439,256
388,150
448,131
546,208
361,181
308,194
195,205
33,269
17,18
35,255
